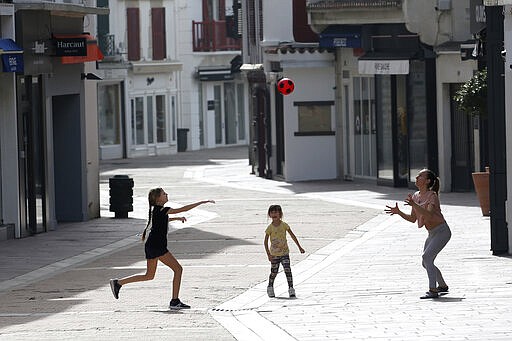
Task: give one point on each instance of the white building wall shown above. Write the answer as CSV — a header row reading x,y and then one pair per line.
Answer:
x,y
434,24
449,69
277,22
309,157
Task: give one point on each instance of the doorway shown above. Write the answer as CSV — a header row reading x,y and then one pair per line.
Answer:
x,y
392,127
32,156
67,156
462,146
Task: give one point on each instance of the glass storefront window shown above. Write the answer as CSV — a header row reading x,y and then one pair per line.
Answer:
x,y
161,119
138,120
384,127
149,101
173,117
109,114
314,118
365,127
417,103
241,111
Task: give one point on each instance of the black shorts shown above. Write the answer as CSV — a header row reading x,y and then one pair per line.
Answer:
x,y
154,251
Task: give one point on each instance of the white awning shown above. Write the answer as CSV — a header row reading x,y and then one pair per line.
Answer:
x,y
497,2
384,67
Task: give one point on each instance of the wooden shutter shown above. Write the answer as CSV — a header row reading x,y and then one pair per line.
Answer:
x,y
158,33
302,32
251,16
133,23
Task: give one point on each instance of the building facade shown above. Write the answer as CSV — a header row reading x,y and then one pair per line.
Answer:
x,y
49,126
170,78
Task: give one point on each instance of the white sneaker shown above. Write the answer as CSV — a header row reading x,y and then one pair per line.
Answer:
x,y
270,292
291,292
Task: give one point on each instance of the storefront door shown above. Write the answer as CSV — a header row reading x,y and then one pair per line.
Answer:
x,y
392,145
32,160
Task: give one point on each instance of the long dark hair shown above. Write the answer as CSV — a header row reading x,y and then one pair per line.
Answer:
x,y
152,196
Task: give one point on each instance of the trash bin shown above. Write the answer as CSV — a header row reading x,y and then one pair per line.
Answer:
x,y
121,195
182,139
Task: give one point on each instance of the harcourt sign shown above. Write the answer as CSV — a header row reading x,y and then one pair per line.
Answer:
x,y
70,46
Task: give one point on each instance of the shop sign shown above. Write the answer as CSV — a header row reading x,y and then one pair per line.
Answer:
x,y
71,46
12,62
383,67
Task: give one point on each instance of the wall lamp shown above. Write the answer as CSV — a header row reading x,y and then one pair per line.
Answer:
x,y
90,76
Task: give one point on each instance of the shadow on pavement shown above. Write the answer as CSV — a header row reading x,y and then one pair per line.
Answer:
x,y
71,291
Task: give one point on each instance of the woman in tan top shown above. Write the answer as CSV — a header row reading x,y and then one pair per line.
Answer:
x,y
426,210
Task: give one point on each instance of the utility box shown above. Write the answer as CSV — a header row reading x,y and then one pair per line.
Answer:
x,y
121,195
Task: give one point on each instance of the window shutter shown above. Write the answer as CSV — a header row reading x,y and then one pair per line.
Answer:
x,y
260,15
251,22
302,32
158,34
132,15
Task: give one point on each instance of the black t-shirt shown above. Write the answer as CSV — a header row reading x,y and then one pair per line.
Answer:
x,y
156,244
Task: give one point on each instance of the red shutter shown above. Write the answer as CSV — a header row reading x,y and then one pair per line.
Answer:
x,y
251,16
222,10
302,32
132,16
158,34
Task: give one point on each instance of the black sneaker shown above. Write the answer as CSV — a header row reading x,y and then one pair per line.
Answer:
x,y
430,294
440,289
177,304
115,286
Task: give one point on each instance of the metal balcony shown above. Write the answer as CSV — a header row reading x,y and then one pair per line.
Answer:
x,y
107,44
212,36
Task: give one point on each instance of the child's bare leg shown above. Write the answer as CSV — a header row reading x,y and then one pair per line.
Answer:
x,y
169,260
149,275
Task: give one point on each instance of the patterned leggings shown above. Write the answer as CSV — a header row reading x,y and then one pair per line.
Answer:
x,y
274,269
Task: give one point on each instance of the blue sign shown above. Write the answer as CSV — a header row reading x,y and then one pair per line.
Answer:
x,y
341,36
12,62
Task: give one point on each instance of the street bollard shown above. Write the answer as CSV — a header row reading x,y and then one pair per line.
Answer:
x,y
121,195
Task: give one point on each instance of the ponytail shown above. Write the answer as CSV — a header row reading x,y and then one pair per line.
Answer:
x,y
433,181
148,225
152,197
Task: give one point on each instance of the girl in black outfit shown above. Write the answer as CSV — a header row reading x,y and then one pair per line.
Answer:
x,y
156,245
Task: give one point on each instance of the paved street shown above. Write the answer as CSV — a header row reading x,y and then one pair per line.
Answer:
x,y
360,278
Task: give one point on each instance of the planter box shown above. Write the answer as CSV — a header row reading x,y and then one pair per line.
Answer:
x,y
481,182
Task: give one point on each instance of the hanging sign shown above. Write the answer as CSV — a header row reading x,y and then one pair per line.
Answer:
x,y
12,62
70,46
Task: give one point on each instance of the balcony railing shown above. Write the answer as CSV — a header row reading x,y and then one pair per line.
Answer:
x,y
211,36
107,45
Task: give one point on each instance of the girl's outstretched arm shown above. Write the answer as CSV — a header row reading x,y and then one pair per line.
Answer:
x,y
395,210
296,241
188,207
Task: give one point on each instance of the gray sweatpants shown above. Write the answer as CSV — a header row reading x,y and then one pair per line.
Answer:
x,y
437,239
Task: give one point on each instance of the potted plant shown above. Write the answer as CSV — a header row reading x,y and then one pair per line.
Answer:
x,y
472,95
471,98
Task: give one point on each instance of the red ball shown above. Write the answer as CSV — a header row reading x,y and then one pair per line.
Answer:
x,y
285,86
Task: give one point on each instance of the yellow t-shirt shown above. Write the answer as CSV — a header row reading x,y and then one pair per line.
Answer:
x,y
277,236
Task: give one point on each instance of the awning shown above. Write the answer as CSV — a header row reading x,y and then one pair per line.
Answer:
x,y
12,56
386,62
93,52
341,36
214,73
383,67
